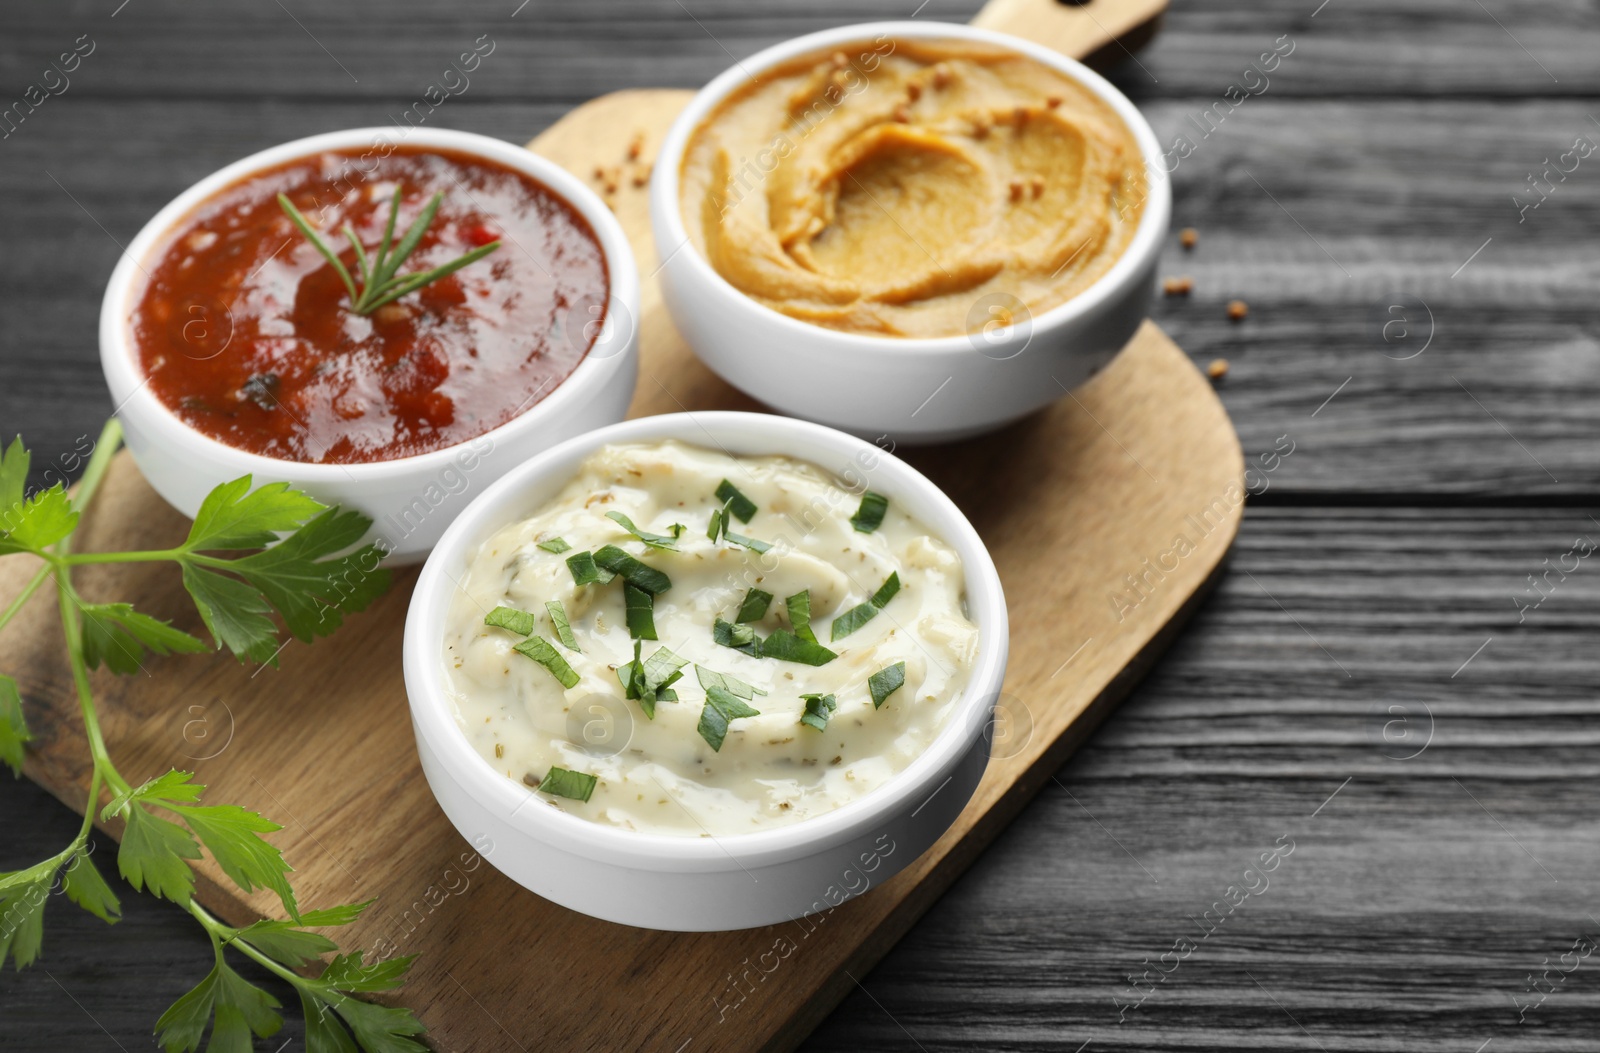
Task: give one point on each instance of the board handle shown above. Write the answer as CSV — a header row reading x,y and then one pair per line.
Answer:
x,y
1098,33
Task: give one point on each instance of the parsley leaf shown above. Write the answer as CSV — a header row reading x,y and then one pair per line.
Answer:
x,y
650,681
869,516
14,735
152,856
635,573
886,682
14,463
233,516
235,613
517,621
563,627
84,885
544,652
737,503
787,647
292,945
799,606
721,708
818,709
640,609
22,919
230,832
378,1029
653,540
118,636
710,678
240,1009
36,524
586,572
576,785
754,607
555,544
739,637
861,614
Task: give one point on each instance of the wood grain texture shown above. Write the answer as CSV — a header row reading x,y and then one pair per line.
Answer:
x,y
1403,126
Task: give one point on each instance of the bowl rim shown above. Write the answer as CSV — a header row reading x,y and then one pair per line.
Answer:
x,y
128,381
1140,251
432,712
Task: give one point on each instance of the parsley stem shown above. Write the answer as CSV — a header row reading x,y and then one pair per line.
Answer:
x,y
143,556
223,935
32,587
99,462
80,679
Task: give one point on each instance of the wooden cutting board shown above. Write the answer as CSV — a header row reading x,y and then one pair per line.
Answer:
x,y
1108,516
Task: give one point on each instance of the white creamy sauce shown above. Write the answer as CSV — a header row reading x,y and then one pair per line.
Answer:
x,y
660,775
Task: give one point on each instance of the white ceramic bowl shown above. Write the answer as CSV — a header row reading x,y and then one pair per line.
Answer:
x,y
913,389
411,499
692,883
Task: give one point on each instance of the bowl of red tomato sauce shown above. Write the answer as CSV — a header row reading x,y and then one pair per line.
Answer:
x,y
389,320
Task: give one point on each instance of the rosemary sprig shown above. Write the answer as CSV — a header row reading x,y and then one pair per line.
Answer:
x,y
379,282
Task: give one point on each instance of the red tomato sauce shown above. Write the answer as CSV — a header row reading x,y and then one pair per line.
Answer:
x,y
246,333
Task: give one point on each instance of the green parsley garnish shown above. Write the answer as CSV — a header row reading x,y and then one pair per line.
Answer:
x,y
251,552
739,637
635,573
886,682
519,622
576,785
379,282
720,518
558,618
555,544
544,652
650,681
586,572
869,516
641,612
721,707
710,678
653,540
818,709
736,502
787,647
754,607
799,606
857,616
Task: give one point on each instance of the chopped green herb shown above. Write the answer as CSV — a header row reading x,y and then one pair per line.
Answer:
x,y
787,647
869,516
663,667
754,607
886,682
650,680
641,612
714,529
739,539
710,678
800,614
544,652
666,541
818,709
519,622
560,782
739,637
738,503
586,572
558,618
555,544
861,614
721,708
635,573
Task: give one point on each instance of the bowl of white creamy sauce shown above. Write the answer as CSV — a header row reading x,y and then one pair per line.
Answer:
x,y
706,671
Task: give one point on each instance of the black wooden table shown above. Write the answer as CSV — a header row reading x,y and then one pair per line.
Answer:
x,y
1376,681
